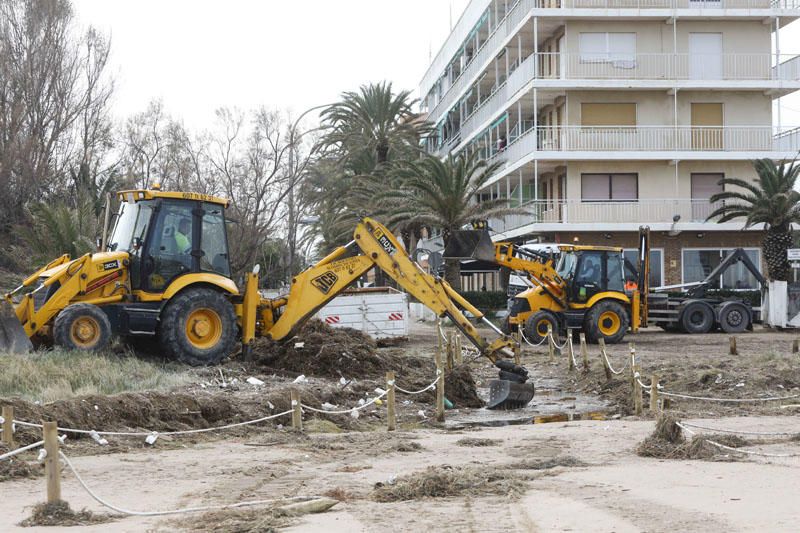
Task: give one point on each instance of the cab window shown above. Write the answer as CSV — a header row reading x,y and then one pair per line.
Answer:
x,y
213,241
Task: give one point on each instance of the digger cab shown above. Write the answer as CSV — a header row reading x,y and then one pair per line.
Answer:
x,y
590,271
168,235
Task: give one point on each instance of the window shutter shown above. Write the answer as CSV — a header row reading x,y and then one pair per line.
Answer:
x,y
593,114
594,187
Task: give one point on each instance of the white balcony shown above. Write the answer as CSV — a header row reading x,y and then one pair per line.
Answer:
x,y
668,4
549,215
647,142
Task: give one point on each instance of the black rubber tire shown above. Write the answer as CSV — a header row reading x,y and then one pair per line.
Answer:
x,y
534,334
172,329
697,317
591,323
66,319
734,317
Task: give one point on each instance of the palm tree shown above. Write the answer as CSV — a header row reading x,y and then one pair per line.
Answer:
x,y
442,193
374,119
771,200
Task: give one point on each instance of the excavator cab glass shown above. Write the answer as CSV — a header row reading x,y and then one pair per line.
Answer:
x,y
592,272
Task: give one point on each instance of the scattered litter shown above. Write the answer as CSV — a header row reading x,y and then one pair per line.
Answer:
x,y
741,384
378,402
328,406
151,438
299,345
300,379
254,381
354,413
379,391
41,456
421,413
98,439
361,401
343,382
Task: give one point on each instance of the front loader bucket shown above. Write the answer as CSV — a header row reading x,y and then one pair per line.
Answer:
x,y
12,336
470,244
507,395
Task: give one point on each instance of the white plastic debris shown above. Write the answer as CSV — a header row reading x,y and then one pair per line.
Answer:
x,y
343,382
354,413
361,401
421,413
741,384
379,391
300,379
271,407
328,406
42,455
62,438
392,479
254,381
151,438
96,408
406,402
299,345
97,438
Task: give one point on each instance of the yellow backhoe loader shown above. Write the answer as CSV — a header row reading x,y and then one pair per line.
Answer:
x,y
585,291
165,274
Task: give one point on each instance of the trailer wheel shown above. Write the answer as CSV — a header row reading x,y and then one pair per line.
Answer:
x,y
733,317
82,327
697,317
536,326
607,320
198,327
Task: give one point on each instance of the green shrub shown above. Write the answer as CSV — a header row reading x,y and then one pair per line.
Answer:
x,y
486,300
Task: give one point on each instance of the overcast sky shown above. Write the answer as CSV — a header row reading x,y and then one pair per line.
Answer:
x,y
198,55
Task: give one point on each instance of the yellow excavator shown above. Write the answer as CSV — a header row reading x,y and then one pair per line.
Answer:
x,y
164,273
585,291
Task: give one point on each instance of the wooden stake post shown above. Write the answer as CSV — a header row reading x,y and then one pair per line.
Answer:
x,y
584,353
439,387
390,412
796,346
733,350
551,349
451,344
517,336
8,427
52,463
637,393
654,393
297,411
603,360
459,354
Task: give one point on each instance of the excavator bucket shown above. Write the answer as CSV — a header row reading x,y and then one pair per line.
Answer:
x,y
12,336
470,244
506,395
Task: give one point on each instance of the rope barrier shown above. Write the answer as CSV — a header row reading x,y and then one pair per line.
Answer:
x,y
429,387
608,363
758,433
737,450
572,353
122,510
20,450
560,347
522,333
148,433
732,400
347,411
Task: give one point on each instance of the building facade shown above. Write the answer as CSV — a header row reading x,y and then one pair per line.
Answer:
x,y
610,114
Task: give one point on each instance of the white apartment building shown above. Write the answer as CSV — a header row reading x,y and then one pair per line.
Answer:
x,y
610,114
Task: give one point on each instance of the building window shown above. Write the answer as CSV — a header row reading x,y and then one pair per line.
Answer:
x,y
616,48
699,262
656,264
608,114
609,187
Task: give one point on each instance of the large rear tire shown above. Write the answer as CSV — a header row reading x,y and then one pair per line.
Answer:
x,y
198,327
607,320
536,326
697,317
734,317
82,327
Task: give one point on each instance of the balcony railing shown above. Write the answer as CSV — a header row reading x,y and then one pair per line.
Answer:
x,y
647,139
668,4
642,211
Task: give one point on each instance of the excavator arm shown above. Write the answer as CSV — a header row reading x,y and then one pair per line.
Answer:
x,y
374,245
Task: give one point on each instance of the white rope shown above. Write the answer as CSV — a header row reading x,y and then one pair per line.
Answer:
x,y
148,433
642,385
733,400
572,352
555,343
429,387
347,411
737,450
12,453
113,507
760,433
608,364
522,334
